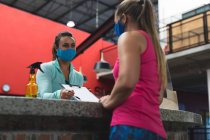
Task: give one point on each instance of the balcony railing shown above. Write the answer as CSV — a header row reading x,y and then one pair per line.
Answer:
x,y
186,33
199,133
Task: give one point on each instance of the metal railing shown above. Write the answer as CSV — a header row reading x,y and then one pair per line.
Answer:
x,y
186,33
199,133
202,132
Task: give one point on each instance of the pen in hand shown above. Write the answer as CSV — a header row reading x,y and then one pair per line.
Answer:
x,y
75,98
66,94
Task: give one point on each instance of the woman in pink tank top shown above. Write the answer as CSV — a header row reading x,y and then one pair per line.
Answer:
x,y
140,75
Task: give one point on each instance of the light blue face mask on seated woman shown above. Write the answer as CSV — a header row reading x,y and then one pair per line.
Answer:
x,y
66,55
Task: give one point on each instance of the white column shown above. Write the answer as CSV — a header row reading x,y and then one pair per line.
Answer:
x,y
208,86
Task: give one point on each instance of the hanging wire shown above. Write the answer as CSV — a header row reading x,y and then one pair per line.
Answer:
x,y
97,13
101,52
71,10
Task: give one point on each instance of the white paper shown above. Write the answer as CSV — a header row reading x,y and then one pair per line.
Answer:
x,y
83,93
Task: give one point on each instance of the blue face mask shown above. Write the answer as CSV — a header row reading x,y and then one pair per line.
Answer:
x,y
66,55
119,28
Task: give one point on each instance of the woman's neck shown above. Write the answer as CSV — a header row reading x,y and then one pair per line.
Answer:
x,y
132,27
64,65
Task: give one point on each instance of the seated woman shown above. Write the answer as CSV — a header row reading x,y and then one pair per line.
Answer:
x,y
60,70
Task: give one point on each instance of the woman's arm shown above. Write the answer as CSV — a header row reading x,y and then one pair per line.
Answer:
x,y
130,46
44,82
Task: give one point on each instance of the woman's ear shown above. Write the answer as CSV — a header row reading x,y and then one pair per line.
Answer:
x,y
124,19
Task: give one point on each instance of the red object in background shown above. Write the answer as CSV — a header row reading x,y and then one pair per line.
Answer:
x,y
166,49
26,38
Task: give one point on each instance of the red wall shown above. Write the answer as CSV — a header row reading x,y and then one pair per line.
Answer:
x,y
26,38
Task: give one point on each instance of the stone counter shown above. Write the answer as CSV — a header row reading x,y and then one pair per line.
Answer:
x,y
31,118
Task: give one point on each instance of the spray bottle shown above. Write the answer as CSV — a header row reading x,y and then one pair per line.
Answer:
x,y
31,87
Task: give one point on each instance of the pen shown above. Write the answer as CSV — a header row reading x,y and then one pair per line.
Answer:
x,y
75,98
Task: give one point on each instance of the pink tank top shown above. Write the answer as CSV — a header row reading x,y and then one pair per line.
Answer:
x,y
141,109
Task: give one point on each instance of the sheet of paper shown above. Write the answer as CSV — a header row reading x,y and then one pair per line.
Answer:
x,y
83,93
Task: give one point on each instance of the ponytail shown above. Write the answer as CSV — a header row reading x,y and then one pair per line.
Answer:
x,y
149,22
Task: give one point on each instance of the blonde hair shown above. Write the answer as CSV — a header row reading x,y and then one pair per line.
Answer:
x,y
141,11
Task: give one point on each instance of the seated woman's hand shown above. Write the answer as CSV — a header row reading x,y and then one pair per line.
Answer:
x,y
66,94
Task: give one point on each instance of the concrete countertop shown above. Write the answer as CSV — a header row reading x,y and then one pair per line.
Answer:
x,y
22,106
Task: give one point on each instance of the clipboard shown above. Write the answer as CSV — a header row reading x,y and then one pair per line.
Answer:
x,y
81,93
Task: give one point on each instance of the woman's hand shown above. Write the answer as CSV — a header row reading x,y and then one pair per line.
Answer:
x,y
105,100
66,94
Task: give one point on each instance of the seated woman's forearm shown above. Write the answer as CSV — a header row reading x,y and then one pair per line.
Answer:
x,y
54,95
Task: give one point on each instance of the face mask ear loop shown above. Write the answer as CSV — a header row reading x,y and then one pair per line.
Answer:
x,y
125,20
122,17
